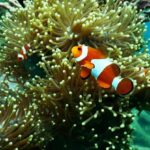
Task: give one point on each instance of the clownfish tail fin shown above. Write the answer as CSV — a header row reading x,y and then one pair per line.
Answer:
x,y
123,86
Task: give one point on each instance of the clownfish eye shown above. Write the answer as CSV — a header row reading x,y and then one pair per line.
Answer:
x,y
79,48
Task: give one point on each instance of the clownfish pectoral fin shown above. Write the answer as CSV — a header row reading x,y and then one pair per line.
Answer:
x,y
103,84
88,65
85,73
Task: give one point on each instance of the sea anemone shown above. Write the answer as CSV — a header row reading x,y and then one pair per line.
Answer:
x,y
66,109
20,124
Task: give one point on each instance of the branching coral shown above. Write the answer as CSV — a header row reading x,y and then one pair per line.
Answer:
x,y
65,107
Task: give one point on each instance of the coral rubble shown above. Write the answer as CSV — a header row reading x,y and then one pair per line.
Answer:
x,y
51,103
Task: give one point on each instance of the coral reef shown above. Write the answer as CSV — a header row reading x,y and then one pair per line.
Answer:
x,y
51,103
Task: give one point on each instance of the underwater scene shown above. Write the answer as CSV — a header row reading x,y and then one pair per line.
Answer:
x,y
74,74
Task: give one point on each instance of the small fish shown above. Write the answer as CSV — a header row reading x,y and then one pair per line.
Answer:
x,y
23,53
96,63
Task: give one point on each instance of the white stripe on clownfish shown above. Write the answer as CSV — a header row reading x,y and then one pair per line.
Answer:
x,y
23,52
116,82
84,53
20,56
97,70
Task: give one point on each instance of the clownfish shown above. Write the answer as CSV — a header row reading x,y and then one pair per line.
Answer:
x,y
23,52
107,74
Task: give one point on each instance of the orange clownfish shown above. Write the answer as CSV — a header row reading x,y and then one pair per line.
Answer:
x,y
23,52
96,63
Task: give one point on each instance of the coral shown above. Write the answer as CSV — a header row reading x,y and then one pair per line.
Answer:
x,y
51,103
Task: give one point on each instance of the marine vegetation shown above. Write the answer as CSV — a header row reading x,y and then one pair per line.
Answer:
x,y
143,6
44,101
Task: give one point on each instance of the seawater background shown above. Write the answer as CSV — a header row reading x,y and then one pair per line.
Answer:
x,y
141,123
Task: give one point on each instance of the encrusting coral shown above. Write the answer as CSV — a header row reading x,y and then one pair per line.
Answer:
x,y
51,103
